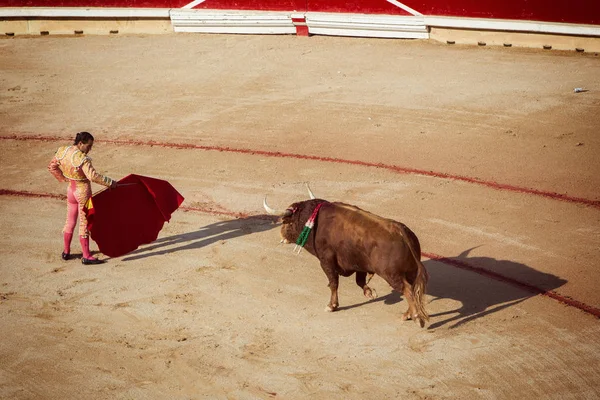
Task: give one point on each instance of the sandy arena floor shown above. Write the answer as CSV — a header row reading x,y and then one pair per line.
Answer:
x,y
486,153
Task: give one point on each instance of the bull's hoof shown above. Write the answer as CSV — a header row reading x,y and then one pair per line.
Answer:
x,y
330,308
406,316
418,320
370,293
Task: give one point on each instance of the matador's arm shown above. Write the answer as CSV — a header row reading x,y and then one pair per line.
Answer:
x,y
55,170
94,176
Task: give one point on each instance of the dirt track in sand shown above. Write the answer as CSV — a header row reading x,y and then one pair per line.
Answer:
x,y
215,308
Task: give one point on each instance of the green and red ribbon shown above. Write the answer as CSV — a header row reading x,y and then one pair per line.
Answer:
x,y
301,241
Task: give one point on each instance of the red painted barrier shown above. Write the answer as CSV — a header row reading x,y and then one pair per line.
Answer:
x,y
95,3
576,12
562,11
360,7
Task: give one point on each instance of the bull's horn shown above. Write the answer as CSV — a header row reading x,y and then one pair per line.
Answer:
x,y
268,209
271,211
310,193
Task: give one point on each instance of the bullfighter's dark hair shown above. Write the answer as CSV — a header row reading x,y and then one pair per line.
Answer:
x,y
83,137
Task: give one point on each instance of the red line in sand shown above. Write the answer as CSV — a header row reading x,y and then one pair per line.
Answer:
x,y
394,168
455,263
23,193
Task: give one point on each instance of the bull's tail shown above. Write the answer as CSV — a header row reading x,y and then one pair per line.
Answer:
x,y
418,289
420,283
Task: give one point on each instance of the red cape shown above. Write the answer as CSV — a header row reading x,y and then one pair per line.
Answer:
x,y
122,219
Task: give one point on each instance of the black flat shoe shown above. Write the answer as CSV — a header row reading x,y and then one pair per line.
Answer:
x,y
66,256
91,261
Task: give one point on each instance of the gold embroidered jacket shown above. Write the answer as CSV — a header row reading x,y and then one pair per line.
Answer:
x,y
69,163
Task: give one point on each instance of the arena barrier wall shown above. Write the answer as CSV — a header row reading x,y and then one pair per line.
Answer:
x,y
560,25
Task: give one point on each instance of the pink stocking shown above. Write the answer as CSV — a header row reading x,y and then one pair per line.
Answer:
x,y
85,246
67,239
72,210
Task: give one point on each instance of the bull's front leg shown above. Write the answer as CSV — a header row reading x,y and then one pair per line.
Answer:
x,y
334,279
362,279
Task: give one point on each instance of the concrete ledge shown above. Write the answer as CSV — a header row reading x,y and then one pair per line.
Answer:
x,y
515,39
91,20
96,26
512,26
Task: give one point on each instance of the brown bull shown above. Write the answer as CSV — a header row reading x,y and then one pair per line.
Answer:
x,y
347,240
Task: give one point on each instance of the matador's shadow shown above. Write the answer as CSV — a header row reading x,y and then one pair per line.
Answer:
x,y
479,295
205,236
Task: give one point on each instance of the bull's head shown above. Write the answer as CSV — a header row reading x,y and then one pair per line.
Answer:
x,y
290,218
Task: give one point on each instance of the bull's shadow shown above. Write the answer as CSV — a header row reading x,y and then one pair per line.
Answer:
x,y
205,236
478,294
481,295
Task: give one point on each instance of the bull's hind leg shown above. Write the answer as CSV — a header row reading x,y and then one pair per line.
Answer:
x,y
411,313
361,280
400,285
